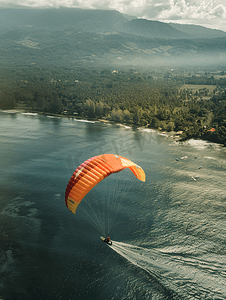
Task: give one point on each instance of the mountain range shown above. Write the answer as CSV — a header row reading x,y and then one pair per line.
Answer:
x,y
75,36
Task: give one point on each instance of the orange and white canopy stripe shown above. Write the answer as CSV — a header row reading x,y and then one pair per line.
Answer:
x,y
94,170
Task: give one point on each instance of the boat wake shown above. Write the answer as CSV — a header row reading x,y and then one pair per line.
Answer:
x,y
189,278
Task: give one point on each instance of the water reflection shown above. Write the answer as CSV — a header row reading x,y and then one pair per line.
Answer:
x,y
182,218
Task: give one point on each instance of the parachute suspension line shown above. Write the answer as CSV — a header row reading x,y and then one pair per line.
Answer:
x,y
126,186
92,221
112,200
117,193
110,197
98,224
97,214
116,200
109,201
101,213
104,200
97,209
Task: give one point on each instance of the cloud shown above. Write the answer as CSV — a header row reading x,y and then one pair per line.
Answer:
x,y
183,9
206,13
219,11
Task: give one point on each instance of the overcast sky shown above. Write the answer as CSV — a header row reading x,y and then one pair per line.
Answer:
x,y
209,13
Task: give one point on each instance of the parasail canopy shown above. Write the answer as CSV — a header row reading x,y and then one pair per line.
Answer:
x,y
94,170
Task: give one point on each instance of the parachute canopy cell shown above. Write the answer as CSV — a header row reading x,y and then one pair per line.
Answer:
x,y
94,170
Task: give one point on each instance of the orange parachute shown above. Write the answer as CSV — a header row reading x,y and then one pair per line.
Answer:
x,y
94,170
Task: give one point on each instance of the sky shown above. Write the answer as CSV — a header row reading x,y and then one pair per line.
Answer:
x,y
208,13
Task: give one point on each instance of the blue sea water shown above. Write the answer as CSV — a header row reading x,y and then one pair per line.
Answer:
x,y
168,233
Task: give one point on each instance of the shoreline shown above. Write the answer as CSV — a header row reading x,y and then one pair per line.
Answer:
x,y
175,135
28,111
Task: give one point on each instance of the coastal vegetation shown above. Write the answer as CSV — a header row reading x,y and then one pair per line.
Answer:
x,y
100,64
192,103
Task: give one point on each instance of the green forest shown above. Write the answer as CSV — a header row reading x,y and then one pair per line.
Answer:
x,y
194,103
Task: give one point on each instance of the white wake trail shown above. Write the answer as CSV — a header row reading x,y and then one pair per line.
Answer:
x,y
190,278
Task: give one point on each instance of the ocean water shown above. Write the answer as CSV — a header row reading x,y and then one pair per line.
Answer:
x,y
169,233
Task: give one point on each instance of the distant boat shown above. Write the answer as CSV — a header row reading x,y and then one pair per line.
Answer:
x,y
184,157
177,159
193,178
200,167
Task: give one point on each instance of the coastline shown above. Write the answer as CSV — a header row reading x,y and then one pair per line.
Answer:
x,y
175,135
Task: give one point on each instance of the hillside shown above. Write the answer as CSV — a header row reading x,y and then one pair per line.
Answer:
x,y
77,37
100,21
62,18
151,29
199,32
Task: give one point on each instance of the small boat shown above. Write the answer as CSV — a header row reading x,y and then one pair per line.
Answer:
x,y
193,178
106,240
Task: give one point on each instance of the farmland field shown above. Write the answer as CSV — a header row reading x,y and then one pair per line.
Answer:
x,y
197,87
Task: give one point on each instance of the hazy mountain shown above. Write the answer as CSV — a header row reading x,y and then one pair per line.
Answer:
x,y
128,17
79,19
75,36
100,21
151,29
195,31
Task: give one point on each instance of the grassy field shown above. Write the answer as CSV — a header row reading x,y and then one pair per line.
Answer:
x,y
196,87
